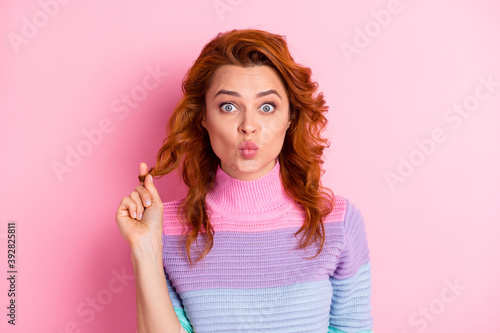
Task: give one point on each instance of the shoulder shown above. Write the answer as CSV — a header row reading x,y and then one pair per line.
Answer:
x,y
339,210
351,209
345,211
353,222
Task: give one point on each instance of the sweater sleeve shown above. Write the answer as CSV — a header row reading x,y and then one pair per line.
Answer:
x,y
350,310
178,308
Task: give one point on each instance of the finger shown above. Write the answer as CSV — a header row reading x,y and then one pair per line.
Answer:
x,y
143,169
139,206
144,195
148,184
122,210
130,206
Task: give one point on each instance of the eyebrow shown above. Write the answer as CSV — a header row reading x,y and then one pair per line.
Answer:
x,y
234,93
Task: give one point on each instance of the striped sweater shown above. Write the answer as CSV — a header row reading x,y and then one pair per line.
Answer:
x,y
255,278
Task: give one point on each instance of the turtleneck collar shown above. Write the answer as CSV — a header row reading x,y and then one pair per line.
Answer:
x,y
265,196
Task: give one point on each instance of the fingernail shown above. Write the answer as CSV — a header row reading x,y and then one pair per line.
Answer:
x,y
148,202
135,215
140,217
151,177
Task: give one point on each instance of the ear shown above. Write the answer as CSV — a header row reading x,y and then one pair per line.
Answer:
x,y
203,119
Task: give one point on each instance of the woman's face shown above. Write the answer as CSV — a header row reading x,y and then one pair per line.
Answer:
x,y
242,105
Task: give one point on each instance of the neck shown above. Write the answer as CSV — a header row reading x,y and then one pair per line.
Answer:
x,y
233,197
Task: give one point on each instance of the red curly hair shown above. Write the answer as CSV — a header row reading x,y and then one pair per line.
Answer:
x,y
300,157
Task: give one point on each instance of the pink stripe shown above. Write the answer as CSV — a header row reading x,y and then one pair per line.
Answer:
x,y
294,217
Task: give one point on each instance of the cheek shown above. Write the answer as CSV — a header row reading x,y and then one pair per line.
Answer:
x,y
274,131
220,136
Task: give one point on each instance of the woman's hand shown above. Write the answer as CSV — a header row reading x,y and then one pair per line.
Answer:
x,y
140,215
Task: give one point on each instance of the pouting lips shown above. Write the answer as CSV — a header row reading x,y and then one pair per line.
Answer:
x,y
249,145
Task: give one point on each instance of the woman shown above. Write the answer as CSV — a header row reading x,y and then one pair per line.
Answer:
x,y
227,257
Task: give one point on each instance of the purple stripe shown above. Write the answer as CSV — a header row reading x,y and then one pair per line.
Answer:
x,y
356,252
270,260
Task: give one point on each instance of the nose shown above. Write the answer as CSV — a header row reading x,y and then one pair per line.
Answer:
x,y
248,123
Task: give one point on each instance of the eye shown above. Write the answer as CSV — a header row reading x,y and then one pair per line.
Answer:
x,y
227,107
268,107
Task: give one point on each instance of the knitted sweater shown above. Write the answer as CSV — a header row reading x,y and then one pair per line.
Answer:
x,y
255,278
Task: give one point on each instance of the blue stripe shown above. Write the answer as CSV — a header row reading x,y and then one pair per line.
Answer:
x,y
301,307
351,308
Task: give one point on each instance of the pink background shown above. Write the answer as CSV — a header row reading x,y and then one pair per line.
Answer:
x,y
433,235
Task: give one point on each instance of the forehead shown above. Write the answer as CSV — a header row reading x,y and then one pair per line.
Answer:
x,y
239,78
